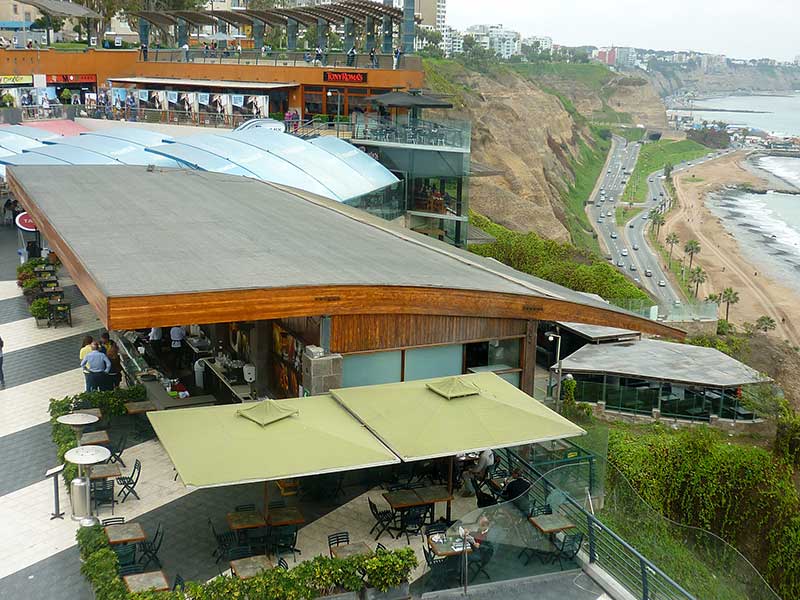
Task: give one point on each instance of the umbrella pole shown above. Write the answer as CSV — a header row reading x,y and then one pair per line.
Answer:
x,y
449,486
266,499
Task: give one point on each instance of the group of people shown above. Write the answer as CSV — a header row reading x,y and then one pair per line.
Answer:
x,y
177,337
292,120
319,59
101,363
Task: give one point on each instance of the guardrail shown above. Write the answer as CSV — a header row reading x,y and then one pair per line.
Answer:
x,y
606,549
281,58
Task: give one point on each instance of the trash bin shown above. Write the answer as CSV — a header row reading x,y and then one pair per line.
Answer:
x,y
199,371
80,498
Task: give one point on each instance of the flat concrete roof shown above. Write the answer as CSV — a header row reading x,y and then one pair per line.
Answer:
x,y
206,83
131,232
597,333
663,361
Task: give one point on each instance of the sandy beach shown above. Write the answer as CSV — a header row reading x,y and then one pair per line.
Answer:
x,y
720,255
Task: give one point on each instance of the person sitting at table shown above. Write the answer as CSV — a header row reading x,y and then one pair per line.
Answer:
x,y
516,491
480,542
478,471
95,366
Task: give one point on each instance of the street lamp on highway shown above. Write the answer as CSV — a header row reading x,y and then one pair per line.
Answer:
x,y
551,335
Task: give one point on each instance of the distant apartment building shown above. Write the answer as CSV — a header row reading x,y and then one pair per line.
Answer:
x,y
15,16
503,42
432,13
452,42
543,43
625,57
607,56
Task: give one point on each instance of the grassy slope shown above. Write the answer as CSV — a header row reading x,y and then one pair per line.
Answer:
x,y
632,134
591,75
587,169
653,157
560,263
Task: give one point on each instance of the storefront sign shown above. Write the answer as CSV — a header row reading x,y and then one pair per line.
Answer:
x,y
16,79
25,222
344,77
82,78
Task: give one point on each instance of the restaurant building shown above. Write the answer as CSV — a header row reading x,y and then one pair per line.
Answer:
x,y
314,293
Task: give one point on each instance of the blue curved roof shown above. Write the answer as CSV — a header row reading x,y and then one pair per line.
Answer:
x,y
142,137
120,150
33,133
378,175
15,143
203,160
29,158
72,156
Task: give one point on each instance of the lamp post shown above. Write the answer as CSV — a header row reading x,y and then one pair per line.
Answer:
x,y
551,335
338,107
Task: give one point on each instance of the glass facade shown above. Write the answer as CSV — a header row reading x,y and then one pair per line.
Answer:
x,y
436,361
372,369
674,400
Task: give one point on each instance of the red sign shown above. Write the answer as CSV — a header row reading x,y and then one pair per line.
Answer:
x,y
344,77
25,222
72,78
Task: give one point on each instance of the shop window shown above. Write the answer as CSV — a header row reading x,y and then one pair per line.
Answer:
x,y
371,369
16,9
313,103
436,361
503,354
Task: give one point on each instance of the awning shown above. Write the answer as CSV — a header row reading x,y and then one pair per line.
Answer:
x,y
418,422
353,428
214,446
203,83
408,100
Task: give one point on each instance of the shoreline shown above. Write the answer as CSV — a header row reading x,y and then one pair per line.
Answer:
x,y
721,256
775,183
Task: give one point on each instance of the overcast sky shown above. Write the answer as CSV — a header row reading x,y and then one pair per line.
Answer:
x,y
737,28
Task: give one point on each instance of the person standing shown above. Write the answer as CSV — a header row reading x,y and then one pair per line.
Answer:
x,y
373,58
114,376
154,337
185,49
176,336
86,346
351,56
95,366
398,55
318,57
144,52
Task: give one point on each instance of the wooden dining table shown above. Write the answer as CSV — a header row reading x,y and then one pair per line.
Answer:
x,y
125,533
246,519
353,549
95,438
106,471
285,515
549,524
150,581
246,568
447,545
138,408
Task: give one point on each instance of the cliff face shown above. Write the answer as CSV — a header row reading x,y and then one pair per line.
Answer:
x,y
526,133
672,79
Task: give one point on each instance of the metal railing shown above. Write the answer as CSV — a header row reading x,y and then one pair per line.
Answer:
x,y
448,134
281,58
606,549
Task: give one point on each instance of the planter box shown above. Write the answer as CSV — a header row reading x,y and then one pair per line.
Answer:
x,y
42,323
397,593
342,596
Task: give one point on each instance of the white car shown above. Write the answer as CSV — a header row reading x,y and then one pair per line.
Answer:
x,y
609,214
644,217
624,251
614,236
636,246
662,283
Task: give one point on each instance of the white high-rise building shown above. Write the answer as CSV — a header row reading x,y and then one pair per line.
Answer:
x,y
503,42
544,43
452,42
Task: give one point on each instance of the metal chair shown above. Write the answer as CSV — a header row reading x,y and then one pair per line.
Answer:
x,y
276,504
412,521
238,552
246,508
434,528
439,567
341,538
126,554
380,548
384,519
128,483
130,570
567,549
284,539
224,541
117,449
103,493
282,564
113,521
179,584
150,549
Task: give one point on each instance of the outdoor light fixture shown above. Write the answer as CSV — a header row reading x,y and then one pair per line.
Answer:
x,y
552,335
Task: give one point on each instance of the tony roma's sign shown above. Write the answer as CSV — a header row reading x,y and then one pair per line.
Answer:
x,y
344,77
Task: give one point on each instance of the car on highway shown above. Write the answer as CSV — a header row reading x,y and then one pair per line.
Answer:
x,y
660,193
633,267
624,251
620,264
662,283
613,235
637,280
644,217
636,246
599,219
609,214
648,273
650,180
630,224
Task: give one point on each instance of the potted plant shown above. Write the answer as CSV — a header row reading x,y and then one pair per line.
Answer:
x,y
31,289
40,310
388,573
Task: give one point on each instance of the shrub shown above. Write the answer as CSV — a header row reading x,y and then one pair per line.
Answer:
x,y
40,308
387,570
787,439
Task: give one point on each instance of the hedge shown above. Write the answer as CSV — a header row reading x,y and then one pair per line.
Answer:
x,y
310,579
111,403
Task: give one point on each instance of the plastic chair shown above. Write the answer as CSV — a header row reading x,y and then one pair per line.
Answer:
x,y
129,483
341,538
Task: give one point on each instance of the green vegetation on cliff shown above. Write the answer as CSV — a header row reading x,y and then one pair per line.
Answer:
x,y
560,263
744,494
653,157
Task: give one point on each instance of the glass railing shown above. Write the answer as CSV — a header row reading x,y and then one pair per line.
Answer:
x,y
440,133
682,312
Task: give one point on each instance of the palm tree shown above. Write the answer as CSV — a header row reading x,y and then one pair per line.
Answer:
x,y
691,248
658,221
729,296
712,298
697,276
765,324
672,239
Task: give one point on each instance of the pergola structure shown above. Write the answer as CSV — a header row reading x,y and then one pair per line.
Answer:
x,y
348,14
62,10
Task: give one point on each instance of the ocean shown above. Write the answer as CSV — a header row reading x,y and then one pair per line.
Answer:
x,y
767,226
